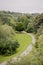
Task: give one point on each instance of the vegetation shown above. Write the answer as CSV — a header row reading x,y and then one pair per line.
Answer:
x,y
11,27
20,37
19,27
24,40
8,47
7,43
38,23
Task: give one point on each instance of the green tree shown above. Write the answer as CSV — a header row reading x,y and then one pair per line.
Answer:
x,y
6,31
7,43
19,26
24,20
29,28
38,21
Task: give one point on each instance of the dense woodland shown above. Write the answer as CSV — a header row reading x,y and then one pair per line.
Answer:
x,y
12,22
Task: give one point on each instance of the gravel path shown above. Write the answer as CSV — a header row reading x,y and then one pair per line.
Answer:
x,y
27,51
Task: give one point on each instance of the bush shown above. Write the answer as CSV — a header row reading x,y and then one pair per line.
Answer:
x,y
8,46
6,31
38,23
29,28
19,26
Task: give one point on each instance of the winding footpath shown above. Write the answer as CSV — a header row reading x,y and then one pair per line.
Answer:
x,y
27,51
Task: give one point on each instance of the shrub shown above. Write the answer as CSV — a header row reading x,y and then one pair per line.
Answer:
x,y
29,28
19,26
8,46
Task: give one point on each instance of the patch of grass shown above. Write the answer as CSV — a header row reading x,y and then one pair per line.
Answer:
x,y
24,40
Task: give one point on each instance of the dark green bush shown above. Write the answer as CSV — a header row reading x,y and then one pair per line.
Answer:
x,y
19,26
8,46
29,28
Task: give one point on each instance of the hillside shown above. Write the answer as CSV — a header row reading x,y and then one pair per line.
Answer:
x,y
13,41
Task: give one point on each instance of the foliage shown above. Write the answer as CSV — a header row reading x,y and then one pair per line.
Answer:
x,y
7,43
35,58
29,28
38,22
24,20
30,23
19,26
6,31
40,30
20,37
8,46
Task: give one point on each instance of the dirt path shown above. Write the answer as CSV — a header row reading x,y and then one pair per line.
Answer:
x,y
27,51
29,48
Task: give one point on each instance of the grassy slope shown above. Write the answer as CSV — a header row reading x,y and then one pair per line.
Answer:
x,y
24,40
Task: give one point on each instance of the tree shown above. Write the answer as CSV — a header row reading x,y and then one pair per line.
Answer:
x,y
38,21
7,43
29,28
5,20
24,20
40,30
8,46
19,26
6,31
